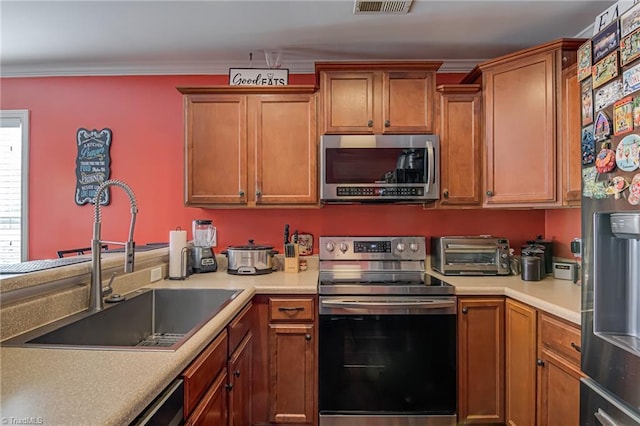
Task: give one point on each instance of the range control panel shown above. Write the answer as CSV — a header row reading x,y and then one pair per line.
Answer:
x,y
373,248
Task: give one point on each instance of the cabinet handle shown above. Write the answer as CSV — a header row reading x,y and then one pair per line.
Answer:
x,y
576,347
387,123
236,373
290,308
490,193
465,310
540,362
370,123
307,337
445,194
229,386
241,193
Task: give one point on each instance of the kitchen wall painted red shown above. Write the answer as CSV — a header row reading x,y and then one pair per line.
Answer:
x,y
562,226
145,116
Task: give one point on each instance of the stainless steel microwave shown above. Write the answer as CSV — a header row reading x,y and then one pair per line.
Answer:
x,y
379,168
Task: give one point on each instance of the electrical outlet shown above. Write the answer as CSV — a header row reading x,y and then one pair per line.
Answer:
x,y
156,274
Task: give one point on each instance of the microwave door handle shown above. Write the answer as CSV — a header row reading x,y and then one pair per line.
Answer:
x,y
432,162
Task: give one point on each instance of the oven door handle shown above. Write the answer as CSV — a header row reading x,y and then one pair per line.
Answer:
x,y
423,305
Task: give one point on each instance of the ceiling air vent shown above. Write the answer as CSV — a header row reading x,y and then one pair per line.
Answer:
x,y
382,7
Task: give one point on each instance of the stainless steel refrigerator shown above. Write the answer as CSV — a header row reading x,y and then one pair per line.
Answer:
x,y
609,75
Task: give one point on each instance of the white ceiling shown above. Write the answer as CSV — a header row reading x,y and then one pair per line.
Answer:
x,y
207,37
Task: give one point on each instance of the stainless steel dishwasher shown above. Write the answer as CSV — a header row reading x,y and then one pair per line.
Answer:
x,y
166,409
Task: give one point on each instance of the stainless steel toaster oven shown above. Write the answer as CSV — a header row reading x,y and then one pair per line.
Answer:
x,y
470,255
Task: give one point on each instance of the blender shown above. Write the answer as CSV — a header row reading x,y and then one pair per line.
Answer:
x,y
204,234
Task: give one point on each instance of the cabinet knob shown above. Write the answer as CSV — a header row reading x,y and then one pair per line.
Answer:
x,y
258,193
241,193
445,193
465,310
387,123
229,386
490,193
370,123
540,362
307,337
236,373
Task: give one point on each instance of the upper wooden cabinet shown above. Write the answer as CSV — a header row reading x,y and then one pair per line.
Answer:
x,y
458,108
250,146
571,138
525,118
377,97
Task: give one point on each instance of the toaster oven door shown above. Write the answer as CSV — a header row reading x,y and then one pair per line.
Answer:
x,y
469,259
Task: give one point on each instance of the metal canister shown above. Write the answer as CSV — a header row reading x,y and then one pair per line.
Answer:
x,y
532,268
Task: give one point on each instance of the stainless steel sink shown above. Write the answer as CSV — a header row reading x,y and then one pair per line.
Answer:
x,y
152,319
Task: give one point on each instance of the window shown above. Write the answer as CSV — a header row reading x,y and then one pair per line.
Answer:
x,y
14,156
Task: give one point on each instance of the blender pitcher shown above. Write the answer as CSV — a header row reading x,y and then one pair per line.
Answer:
x,y
204,235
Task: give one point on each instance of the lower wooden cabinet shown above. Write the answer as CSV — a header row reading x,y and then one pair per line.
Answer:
x,y
558,396
481,360
218,384
542,368
285,360
520,363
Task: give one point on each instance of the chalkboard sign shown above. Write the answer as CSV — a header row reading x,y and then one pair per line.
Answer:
x,y
93,164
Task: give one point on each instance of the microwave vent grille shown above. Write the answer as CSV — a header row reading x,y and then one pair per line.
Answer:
x,y
382,7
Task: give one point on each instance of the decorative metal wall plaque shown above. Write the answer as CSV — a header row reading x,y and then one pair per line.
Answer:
x,y
93,164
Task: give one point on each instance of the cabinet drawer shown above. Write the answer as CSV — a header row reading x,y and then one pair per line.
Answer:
x,y
287,309
212,410
201,372
239,327
560,337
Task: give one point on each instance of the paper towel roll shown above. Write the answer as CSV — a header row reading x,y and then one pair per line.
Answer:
x,y
177,241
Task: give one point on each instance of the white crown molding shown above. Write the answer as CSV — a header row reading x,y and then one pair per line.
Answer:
x,y
186,68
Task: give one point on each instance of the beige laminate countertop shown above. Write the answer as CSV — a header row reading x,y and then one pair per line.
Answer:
x,y
111,387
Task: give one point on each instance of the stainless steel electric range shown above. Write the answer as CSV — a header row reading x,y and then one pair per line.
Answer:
x,y
387,348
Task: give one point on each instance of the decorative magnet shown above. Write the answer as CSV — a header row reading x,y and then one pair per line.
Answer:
x,y
586,94
634,191
631,80
607,94
630,48
636,111
605,70
622,116
590,187
628,153
606,159
584,60
616,186
606,41
602,129
588,146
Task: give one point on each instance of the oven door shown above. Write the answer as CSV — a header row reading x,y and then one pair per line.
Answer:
x,y
387,360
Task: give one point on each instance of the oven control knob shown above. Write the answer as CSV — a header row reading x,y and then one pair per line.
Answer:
x,y
343,247
400,247
414,246
330,246
504,255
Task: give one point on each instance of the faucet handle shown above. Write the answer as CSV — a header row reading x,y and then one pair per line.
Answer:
x,y
108,289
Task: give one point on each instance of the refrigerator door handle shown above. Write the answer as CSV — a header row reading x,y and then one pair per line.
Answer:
x,y
604,418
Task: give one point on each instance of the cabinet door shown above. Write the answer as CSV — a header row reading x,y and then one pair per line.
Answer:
x,y
348,102
407,102
240,381
285,156
212,409
480,360
460,145
520,131
520,364
292,376
571,138
558,390
216,149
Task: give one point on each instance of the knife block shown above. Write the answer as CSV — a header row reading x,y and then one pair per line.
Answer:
x,y
291,256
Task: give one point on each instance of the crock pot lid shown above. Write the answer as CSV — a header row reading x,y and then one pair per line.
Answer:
x,y
251,246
